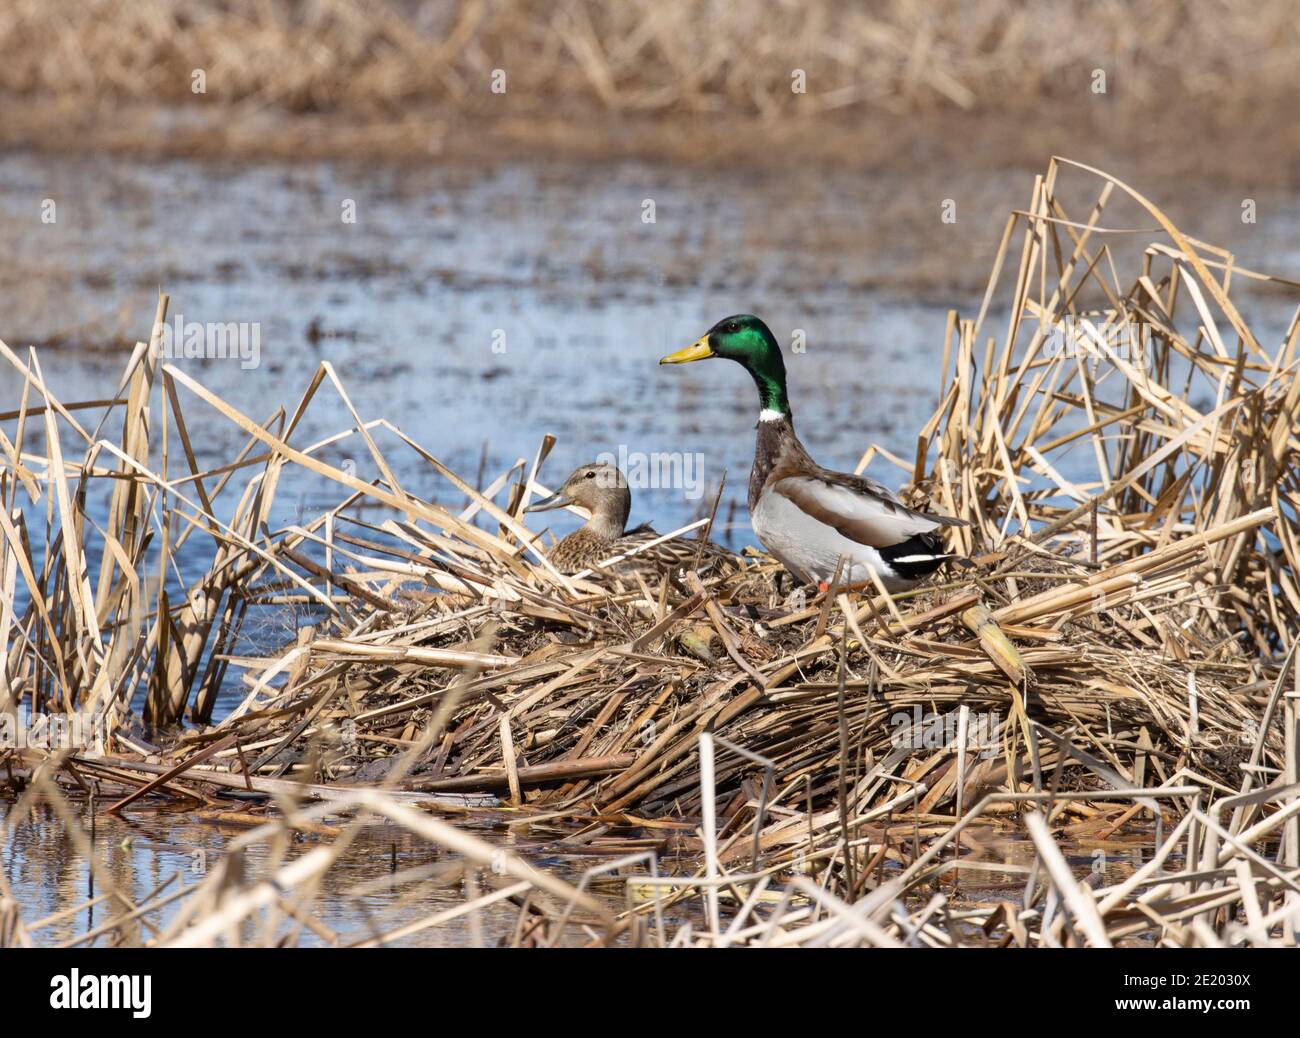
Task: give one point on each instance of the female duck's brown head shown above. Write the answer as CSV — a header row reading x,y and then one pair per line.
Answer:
x,y
602,490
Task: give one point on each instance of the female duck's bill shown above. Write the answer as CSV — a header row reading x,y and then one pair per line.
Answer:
x,y
557,500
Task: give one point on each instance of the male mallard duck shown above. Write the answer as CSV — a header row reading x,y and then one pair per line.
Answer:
x,y
807,516
602,490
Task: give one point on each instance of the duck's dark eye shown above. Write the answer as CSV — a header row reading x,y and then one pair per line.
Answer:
x,y
590,475
733,327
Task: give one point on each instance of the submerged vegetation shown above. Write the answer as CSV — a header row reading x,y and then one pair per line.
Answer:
x,y
1112,668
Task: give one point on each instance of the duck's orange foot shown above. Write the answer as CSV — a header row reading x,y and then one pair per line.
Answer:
x,y
823,586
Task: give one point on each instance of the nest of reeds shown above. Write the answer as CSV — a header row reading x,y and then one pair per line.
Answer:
x,y
596,702
1112,652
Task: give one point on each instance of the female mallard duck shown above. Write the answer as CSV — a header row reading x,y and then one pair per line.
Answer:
x,y
602,490
807,516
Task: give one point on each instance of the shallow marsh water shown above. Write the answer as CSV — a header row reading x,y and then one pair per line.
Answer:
x,y
479,309
368,892
387,878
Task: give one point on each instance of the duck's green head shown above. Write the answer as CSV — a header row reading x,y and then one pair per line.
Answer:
x,y
748,341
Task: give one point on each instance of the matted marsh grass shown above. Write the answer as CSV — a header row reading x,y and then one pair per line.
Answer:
x,y
1115,662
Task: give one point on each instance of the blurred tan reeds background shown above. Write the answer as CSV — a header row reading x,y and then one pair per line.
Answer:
x,y
410,78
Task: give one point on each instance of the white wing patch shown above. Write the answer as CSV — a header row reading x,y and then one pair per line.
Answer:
x,y
811,550
870,519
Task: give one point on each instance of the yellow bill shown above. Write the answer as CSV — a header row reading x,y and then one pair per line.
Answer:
x,y
698,350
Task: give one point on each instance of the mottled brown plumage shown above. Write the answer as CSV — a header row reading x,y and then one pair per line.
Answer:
x,y
601,489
